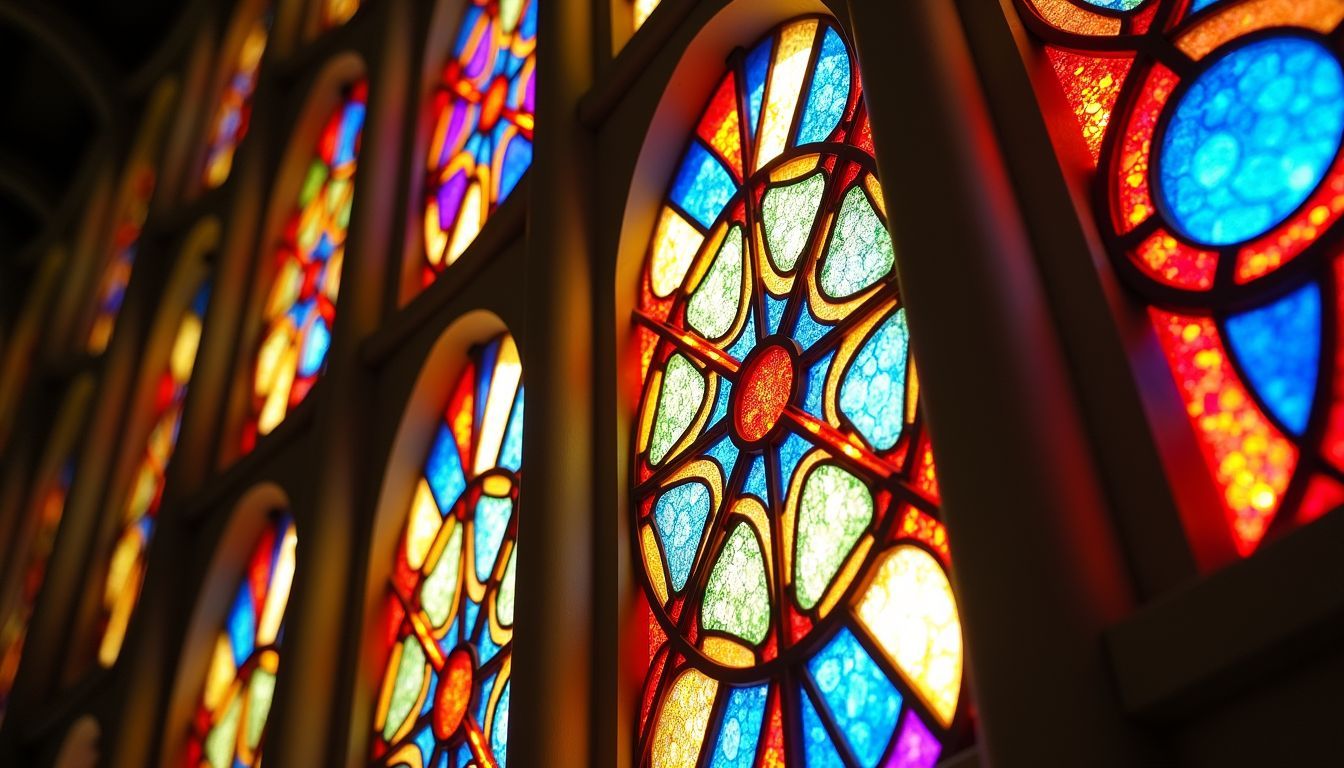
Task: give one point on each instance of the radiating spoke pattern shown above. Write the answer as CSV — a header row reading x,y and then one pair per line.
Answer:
x,y
228,729
484,114
300,309
444,699
785,507
1217,144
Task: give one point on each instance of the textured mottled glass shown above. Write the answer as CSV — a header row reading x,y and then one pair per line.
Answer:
x,y
234,112
448,615
126,563
1223,184
229,724
780,461
300,309
484,113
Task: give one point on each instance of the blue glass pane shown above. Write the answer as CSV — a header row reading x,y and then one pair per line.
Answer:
x,y
721,403
702,186
790,453
499,728
862,701
471,609
807,330
443,471
517,157
873,392
242,625
483,698
485,374
492,521
469,16
817,745
511,456
757,66
746,341
351,123
816,385
725,453
740,728
679,517
755,484
429,695
774,310
315,348
425,741
1251,139
1279,347
830,90
486,648
1199,5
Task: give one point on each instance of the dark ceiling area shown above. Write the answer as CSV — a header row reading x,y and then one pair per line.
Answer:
x,y
71,73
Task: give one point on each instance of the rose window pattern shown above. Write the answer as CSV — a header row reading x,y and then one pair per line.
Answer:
x,y
484,114
228,727
784,496
444,699
1216,127
126,565
301,307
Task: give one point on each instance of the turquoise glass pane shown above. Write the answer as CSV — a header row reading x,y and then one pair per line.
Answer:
x,y
860,698
679,517
830,90
873,392
740,729
817,745
703,186
511,456
755,484
492,522
242,626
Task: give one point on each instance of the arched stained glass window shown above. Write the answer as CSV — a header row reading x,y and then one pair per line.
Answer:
x,y
784,498
133,209
301,306
235,103
18,608
1216,133
444,699
229,724
484,114
121,588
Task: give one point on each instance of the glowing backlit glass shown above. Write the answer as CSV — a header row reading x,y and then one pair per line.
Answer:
x,y
449,612
300,309
235,104
1217,144
784,510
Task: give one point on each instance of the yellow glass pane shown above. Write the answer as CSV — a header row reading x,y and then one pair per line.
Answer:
x,y
183,356
909,610
221,674
786,85
422,527
469,221
277,402
682,721
674,245
503,388
270,355
642,10
277,597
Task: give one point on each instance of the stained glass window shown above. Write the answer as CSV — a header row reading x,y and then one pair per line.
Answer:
x,y
337,12
482,140
137,189
235,104
229,725
126,566
785,504
19,607
1216,131
444,699
301,307
640,10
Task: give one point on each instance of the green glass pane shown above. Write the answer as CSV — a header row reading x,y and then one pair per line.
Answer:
x,y
861,252
260,690
836,508
682,395
737,600
713,306
406,689
219,743
317,175
788,213
439,590
504,602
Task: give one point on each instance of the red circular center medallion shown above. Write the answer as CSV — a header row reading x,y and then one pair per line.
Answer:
x,y
454,694
764,387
